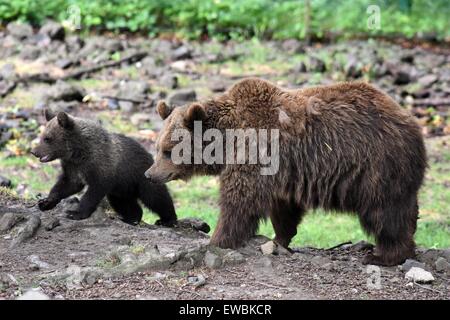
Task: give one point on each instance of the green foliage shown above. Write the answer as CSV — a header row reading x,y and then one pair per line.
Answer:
x,y
222,19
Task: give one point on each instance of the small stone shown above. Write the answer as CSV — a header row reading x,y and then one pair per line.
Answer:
x,y
212,260
33,294
52,224
138,119
19,30
194,223
197,281
181,53
402,77
169,80
409,263
442,265
5,182
233,257
269,248
54,30
33,267
419,275
320,261
428,80
64,63
127,106
9,220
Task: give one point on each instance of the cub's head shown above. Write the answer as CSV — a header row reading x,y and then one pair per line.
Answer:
x,y
53,140
175,144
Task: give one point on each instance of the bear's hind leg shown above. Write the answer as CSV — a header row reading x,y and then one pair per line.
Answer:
x,y
285,218
395,236
128,208
157,198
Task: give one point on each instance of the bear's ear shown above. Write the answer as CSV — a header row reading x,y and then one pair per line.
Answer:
x,y
195,112
65,121
163,109
48,114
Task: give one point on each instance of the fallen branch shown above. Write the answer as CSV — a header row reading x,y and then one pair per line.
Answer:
x,y
424,287
44,77
339,245
124,99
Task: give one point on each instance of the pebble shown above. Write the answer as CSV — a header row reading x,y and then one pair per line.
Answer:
x,y
419,275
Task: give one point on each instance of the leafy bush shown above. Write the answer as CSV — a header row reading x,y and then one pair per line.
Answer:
x,y
277,19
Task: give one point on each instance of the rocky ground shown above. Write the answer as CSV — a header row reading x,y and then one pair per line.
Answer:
x,y
119,79
45,255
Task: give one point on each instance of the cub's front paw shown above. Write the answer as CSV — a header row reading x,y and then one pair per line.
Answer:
x,y
164,223
46,204
75,215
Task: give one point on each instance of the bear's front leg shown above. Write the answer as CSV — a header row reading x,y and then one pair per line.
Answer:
x,y
88,203
241,209
63,188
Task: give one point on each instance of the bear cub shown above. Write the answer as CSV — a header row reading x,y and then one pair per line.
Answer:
x,y
109,164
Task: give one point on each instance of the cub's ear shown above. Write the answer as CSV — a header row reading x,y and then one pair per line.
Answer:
x,y
163,109
195,112
48,114
65,120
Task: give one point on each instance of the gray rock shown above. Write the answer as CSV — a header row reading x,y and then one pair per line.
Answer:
x,y
135,90
30,53
320,261
52,224
64,63
402,77
65,91
169,80
410,263
5,182
269,248
112,104
27,231
264,265
34,259
127,106
113,45
442,265
182,97
300,68
233,257
197,281
181,53
138,119
8,71
19,30
194,223
54,30
9,220
6,87
316,65
217,86
419,275
33,294
446,254
293,46
212,260
428,80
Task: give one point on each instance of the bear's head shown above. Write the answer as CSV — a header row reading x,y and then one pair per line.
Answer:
x,y
53,140
175,144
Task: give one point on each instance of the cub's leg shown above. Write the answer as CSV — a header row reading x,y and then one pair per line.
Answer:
x,y
88,203
156,197
128,208
64,187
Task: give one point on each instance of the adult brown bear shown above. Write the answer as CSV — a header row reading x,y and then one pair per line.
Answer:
x,y
344,147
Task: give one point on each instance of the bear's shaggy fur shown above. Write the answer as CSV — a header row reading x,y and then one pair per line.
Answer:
x,y
111,165
344,147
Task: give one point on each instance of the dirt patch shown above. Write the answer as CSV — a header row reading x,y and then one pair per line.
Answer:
x,y
103,258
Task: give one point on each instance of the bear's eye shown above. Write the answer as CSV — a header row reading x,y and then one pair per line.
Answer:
x,y
167,154
47,140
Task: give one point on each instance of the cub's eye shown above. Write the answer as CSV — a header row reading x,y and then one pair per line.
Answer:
x,y
167,154
47,140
